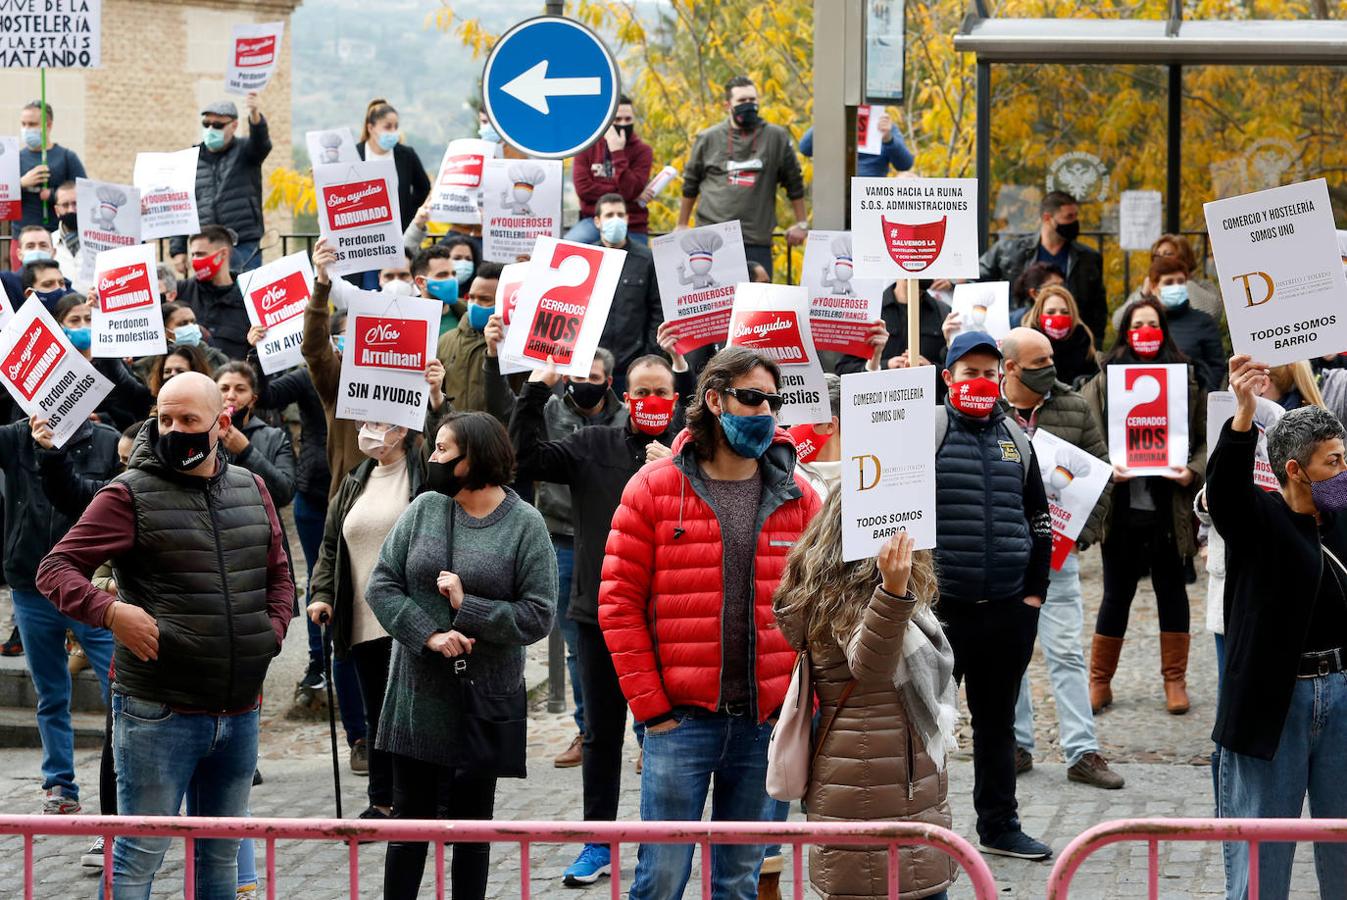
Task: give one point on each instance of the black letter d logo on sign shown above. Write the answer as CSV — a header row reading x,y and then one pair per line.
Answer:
x,y
1268,286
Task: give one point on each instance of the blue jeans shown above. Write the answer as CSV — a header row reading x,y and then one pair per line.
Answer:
x,y
164,757
678,769
1059,625
565,549
42,629
1216,748
239,257
1308,760
584,231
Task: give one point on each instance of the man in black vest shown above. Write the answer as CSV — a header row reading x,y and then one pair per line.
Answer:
x,y
204,594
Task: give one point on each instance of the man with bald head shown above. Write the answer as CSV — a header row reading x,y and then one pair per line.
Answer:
x,y
1034,396
204,594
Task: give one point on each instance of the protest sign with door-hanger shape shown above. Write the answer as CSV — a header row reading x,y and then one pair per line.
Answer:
x,y
1073,481
107,216
842,308
390,340
254,53
507,298
11,196
456,196
167,185
1148,418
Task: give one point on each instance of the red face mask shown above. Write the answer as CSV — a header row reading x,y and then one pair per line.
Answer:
x,y
652,415
808,442
975,397
1146,341
208,267
1057,327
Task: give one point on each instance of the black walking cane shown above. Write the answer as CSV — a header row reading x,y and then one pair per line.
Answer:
x,y
331,707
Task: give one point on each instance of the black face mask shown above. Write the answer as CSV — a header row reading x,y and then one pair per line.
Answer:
x,y
625,130
746,114
69,221
441,479
239,417
586,395
185,450
1067,231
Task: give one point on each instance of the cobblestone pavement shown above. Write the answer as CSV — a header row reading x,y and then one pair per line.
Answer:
x,y
1163,758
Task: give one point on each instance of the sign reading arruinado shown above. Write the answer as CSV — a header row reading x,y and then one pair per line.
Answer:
x,y
550,87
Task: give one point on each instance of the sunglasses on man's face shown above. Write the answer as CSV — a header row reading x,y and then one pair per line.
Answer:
x,y
218,126
755,397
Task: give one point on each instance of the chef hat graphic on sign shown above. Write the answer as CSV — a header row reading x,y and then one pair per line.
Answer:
x,y
700,247
837,276
1070,463
525,176
330,141
110,200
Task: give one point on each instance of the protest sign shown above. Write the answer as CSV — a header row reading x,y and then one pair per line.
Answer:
x,y
773,319
562,306
167,185
11,197
389,341
1073,480
457,194
108,216
1221,409
358,214
331,145
1138,219
126,318
915,227
888,459
868,138
1148,418
841,308
254,53
1282,277
6,309
697,270
507,298
275,296
983,306
51,34
45,375
521,202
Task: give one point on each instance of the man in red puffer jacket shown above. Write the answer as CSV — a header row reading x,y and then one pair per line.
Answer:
x,y
695,553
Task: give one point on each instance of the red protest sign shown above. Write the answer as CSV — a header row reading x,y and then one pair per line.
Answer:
x,y
462,171
357,204
281,300
250,53
561,311
771,332
125,287
914,247
1147,424
33,358
387,343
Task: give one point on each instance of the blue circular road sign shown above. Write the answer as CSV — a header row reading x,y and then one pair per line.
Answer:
x,y
550,87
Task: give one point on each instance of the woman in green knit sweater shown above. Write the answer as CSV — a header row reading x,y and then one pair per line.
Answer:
x,y
497,596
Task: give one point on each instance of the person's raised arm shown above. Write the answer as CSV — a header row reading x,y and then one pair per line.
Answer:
x,y
316,347
1232,496
876,648
537,458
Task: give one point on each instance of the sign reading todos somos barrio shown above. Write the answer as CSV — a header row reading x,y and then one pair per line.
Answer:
x,y
915,227
358,214
389,343
1281,274
45,375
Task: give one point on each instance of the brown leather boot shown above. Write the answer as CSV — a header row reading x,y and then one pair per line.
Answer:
x,y
1104,653
769,886
1174,667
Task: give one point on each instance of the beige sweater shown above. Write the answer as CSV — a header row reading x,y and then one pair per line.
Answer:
x,y
371,517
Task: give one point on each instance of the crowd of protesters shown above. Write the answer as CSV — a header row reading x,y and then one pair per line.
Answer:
x,y
656,514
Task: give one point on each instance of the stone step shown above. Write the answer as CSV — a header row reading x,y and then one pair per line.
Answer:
x,y
18,728
16,688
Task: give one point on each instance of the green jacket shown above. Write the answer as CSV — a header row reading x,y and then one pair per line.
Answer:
x,y
462,352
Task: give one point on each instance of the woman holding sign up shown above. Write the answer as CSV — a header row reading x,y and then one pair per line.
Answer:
x,y
1150,524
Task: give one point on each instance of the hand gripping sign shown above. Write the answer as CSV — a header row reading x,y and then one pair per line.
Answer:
x,y
841,306
126,319
1148,418
254,54
108,217
773,319
275,297
358,214
167,184
697,270
914,227
1073,480
521,202
563,305
45,375
457,194
389,342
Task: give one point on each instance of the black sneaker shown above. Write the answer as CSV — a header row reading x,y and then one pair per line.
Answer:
x,y
1017,844
374,814
313,679
13,646
1024,760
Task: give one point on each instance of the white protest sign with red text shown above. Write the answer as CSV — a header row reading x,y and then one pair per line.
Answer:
x,y
773,319
389,342
1221,409
167,184
275,297
108,216
254,53
1074,481
563,305
126,319
331,145
507,298
1148,418
358,214
521,202
841,306
868,138
915,227
456,196
45,375
697,270
11,198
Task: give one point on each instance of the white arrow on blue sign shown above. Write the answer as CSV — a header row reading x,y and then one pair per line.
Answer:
x,y
550,87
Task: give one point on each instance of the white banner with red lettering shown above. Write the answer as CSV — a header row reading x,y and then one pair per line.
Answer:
x,y
1073,480
167,184
11,197
254,53
275,296
1221,409
390,339
507,298
108,217
773,319
1148,418
868,137
45,375
456,196
126,318
562,306
915,227
358,214
696,270
841,307
521,202
331,145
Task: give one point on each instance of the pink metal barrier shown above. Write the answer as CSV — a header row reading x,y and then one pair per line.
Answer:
x,y
1154,831
704,834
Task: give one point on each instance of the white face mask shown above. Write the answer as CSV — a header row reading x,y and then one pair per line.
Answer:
x,y
374,443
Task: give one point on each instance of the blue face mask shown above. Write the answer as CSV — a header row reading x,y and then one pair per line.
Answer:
x,y
478,316
187,335
614,230
80,338
463,269
49,299
388,140
213,138
748,436
32,138
1173,295
487,133
28,256
341,343
444,290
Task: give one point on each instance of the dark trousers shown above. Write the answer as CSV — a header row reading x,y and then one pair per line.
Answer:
x,y
423,790
370,661
605,724
107,772
992,643
760,254
1125,556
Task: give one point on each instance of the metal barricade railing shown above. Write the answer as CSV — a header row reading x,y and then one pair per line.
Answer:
x,y
1157,831
796,835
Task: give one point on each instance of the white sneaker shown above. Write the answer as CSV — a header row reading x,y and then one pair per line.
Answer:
x,y
93,857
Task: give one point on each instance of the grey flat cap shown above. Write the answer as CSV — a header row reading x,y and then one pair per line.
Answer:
x,y
222,108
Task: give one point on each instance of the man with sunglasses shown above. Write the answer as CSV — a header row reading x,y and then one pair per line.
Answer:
x,y
229,180
696,550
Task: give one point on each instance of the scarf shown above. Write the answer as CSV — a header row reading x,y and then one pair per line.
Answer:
x,y
925,679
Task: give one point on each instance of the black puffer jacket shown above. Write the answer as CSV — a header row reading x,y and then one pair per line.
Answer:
x,y
32,524
313,478
220,311
229,185
636,313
